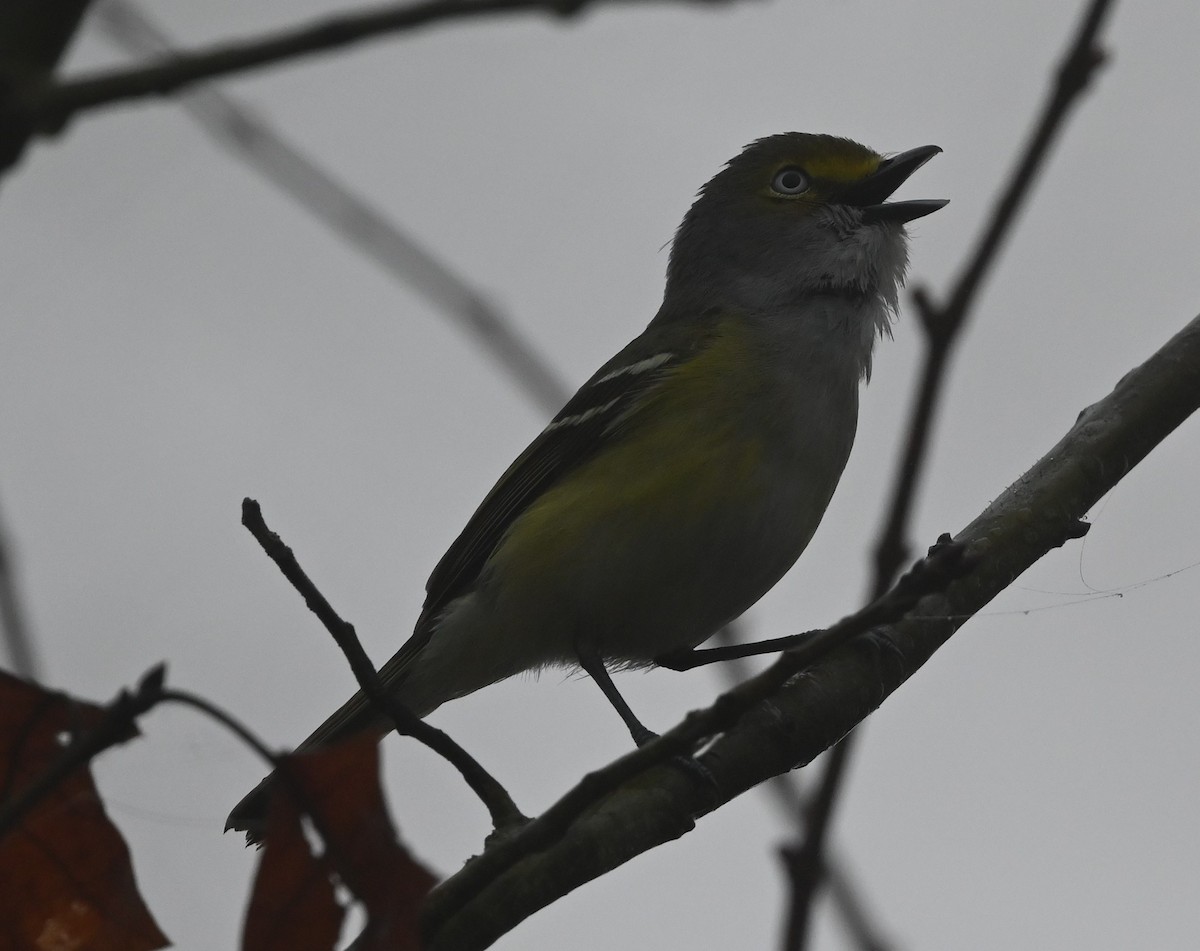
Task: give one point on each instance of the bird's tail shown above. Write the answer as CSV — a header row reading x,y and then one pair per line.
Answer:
x,y
353,716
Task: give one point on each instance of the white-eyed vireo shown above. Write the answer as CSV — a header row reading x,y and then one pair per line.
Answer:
x,y
688,474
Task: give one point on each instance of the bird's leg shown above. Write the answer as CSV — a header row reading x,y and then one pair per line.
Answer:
x,y
690,657
591,662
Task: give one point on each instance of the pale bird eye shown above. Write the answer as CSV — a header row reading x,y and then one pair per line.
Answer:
x,y
789,181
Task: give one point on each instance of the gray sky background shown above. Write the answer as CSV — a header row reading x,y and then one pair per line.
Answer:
x,y
177,335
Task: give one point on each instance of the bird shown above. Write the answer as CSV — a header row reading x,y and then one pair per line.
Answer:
x,y
689,473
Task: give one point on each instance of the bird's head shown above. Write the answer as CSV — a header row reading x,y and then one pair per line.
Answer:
x,y
797,215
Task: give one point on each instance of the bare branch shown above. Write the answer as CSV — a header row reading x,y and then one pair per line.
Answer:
x,y
48,108
943,326
844,892
499,804
514,878
33,37
19,642
846,895
235,726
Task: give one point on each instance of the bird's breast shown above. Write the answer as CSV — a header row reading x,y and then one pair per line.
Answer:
x,y
688,517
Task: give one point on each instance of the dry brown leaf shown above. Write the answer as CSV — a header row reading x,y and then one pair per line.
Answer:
x,y
339,788
68,883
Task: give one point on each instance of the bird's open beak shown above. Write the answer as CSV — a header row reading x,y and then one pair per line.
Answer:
x,y
872,192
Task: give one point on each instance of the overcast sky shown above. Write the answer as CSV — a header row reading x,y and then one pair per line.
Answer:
x,y
176,335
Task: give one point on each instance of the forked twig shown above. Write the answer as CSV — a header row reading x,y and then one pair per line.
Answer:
x,y
499,804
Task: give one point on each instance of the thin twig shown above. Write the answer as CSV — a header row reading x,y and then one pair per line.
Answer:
x,y
253,140
943,326
499,804
118,725
48,108
231,723
844,892
282,766
805,861
17,638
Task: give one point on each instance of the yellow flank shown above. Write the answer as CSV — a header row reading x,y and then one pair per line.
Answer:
x,y
675,460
